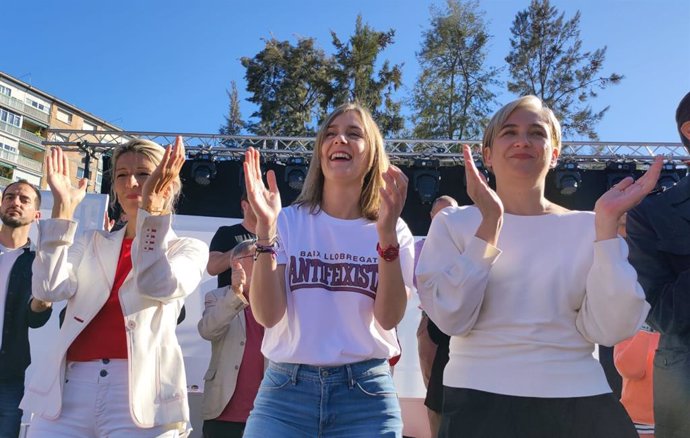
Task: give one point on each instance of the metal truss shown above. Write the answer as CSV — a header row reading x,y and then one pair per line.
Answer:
x,y
447,152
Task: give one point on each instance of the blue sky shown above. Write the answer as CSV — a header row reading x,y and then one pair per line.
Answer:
x,y
157,65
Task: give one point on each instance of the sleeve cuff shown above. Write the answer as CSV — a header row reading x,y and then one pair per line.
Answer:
x,y
56,231
481,252
610,249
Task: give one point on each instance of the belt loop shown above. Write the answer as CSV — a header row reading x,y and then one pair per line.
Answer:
x,y
350,379
295,370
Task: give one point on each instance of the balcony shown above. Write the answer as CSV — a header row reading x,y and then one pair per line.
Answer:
x,y
27,110
29,164
11,102
31,138
8,156
14,130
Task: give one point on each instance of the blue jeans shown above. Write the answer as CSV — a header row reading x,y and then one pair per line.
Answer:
x,y
11,393
298,401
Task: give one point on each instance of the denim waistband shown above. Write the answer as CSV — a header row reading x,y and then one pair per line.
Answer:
x,y
331,374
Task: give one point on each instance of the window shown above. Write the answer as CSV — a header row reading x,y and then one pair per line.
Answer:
x,y
8,147
5,90
88,126
99,178
80,172
38,105
64,116
10,118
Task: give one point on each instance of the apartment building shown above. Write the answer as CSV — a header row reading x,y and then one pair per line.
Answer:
x,y
25,114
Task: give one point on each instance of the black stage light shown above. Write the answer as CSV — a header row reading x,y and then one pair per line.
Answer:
x,y
296,172
568,179
479,164
204,169
616,171
426,179
668,177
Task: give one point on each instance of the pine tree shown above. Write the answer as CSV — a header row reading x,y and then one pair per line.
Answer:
x,y
547,60
452,98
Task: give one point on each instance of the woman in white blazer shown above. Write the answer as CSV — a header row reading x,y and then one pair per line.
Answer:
x,y
237,365
117,369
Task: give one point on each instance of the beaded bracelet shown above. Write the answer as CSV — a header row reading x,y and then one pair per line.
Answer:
x,y
265,249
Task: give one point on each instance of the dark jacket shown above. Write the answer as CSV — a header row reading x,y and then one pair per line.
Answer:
x,y
659,242
15,355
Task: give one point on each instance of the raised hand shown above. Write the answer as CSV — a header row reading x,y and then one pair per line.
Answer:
x,y
159,186
238,278
66,198
483,196
265,202
393,197
622,197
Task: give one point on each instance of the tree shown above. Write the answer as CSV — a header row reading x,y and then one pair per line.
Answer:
x,y
288,83
355,77
452,98
547,60
233,121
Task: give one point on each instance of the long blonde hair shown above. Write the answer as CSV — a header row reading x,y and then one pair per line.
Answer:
x,y
154,152
369,199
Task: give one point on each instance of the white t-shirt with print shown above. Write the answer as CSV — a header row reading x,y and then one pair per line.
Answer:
x,y
331,277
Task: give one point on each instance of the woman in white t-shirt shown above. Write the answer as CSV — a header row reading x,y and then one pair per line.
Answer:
x,y
330,283
526,288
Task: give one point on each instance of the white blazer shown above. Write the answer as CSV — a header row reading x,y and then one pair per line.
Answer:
x,y
165,269
224,324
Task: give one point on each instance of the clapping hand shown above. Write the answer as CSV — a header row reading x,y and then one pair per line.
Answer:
x,y
159,186
483,196
238,278
622,197
393,197
265,202
66,198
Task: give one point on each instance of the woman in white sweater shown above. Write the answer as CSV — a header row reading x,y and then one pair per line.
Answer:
x,y
526,288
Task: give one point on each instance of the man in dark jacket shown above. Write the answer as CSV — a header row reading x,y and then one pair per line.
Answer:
x,y
659,241
18,310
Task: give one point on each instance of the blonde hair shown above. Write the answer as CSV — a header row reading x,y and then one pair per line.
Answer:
x,y
532,103
154,152
369,199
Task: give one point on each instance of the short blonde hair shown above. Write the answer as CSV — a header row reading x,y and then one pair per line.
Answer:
x,y
369,200
532,103
154,152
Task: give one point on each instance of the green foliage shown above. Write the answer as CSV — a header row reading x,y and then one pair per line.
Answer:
x,y
288,83
233,121
355,77
547,60
452,98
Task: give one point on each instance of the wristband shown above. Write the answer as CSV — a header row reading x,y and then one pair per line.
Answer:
x,y
388,253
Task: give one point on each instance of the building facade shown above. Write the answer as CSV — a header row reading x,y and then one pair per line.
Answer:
x,y
25,115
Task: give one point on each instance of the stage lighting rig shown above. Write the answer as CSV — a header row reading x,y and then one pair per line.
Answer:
x,y
296,172
616,171
669,175
204,169
568,178
426,179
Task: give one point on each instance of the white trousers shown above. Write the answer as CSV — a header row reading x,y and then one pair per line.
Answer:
x,y
95,404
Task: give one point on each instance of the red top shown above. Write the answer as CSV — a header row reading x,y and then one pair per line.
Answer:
x,y
105,336
250,374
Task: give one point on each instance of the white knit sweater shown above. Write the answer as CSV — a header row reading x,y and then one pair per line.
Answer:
x,y
524,317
